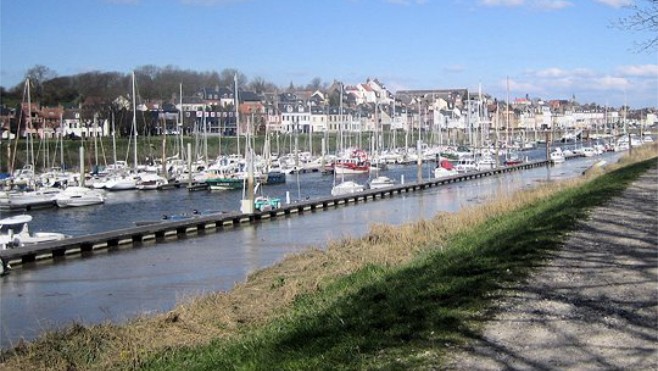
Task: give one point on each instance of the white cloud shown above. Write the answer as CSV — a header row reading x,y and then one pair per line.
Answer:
x,y
520,86
646,70
552,4
609,83
616,3
551,73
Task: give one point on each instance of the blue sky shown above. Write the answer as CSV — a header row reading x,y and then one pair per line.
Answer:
x,y
551,49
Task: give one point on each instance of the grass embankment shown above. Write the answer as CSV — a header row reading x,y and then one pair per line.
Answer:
x,y
397,298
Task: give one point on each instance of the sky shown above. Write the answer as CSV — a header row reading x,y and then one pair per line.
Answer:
x,y
548,49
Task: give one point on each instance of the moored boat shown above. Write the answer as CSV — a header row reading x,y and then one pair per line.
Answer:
x,y
347,187
381,182
26,200
14,233
273,177
79,196
265,203
485,162
357,163
121,183
557,156
150,181
222,184
445,169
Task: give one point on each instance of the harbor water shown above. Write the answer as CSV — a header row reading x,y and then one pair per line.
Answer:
x,y
116,286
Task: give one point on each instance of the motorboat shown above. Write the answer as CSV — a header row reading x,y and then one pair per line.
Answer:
x,y
513,159
356,163
222,184
26,200
14,233
465,164
150,181
445,169
79,196
381,182
219,179
265,203
485,163
121,183
347,187
557,156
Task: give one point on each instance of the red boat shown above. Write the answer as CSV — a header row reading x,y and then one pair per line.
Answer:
x,y
513,160
357,163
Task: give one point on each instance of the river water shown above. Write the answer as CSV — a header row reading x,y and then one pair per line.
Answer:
x,y
115,286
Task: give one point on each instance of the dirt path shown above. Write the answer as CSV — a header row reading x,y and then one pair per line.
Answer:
x,y
594,305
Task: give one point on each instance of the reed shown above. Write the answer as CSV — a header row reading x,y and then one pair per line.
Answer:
x,y
398,297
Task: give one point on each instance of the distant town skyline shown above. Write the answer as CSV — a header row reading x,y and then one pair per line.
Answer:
x,y
549,49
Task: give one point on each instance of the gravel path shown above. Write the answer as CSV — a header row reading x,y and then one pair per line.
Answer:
x,y
594,305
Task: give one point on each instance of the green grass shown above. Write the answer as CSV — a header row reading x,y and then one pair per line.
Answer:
x,y
407,317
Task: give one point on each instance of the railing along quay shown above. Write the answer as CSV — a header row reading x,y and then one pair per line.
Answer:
x,y
162,230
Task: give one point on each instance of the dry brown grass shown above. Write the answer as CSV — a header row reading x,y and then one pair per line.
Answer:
x,y
266,293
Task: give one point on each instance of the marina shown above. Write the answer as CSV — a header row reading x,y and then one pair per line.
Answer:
x,y
167,228
115,284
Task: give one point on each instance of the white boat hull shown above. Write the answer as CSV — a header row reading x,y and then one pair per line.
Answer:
x,y
347,187
79,196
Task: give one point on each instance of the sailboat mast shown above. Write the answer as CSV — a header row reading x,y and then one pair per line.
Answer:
x,y
28,147
95,126
114,140
180,122
340,128
61,139
205,133
134,123
237,112
507,115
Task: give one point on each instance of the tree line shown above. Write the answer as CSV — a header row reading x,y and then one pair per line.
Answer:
x,y
153,83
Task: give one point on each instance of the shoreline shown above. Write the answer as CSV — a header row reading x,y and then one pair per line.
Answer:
x,y
250,305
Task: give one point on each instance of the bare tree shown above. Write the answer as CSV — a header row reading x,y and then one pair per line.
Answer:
x,y
315,84
643,18
38,75
227,78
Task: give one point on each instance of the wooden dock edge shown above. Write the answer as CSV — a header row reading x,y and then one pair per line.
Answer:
x,y
167,230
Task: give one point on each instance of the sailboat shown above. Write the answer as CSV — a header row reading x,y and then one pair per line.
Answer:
x,y
34,196
127,180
